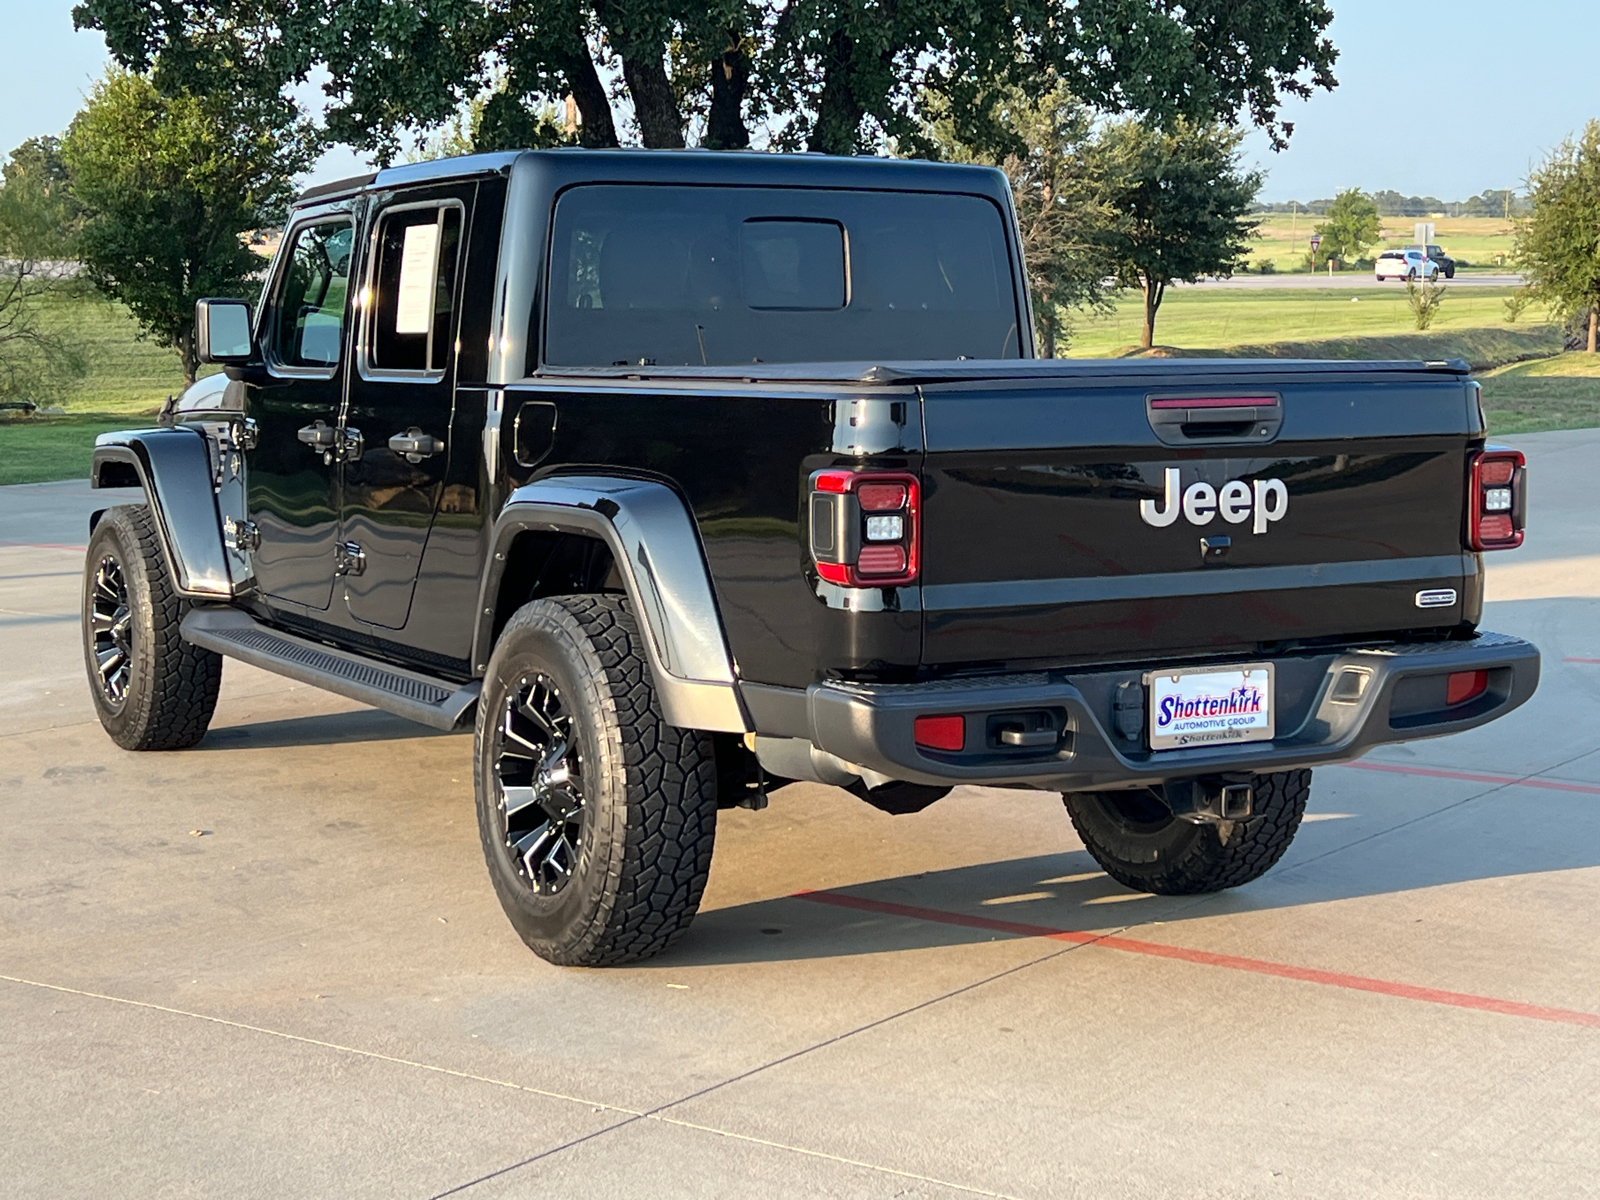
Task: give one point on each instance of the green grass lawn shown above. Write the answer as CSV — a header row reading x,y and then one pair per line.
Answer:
x,y
1551,393
1370,322
125,375
46,448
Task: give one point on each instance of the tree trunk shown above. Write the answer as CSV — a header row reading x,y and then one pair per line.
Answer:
x,y
598,131
1153,294
654,105
730,76
1594,329
839,113
185,348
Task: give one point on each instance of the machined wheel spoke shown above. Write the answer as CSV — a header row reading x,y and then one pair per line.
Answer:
x,y
553,863
109,660
517,798
561,803
539,718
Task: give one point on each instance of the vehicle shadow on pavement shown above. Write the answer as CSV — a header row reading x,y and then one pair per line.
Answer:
x,y
1499,837
319,729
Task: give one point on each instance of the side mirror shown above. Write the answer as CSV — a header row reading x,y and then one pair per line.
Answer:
x,y
222,331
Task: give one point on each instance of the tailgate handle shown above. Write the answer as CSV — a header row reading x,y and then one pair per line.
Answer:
x,y
1183,419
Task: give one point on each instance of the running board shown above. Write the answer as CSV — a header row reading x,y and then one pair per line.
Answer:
x,y
422,698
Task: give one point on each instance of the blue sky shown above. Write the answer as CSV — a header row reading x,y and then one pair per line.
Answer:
x,y
1503,83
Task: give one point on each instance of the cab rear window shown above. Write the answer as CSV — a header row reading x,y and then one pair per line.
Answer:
x,y
684,276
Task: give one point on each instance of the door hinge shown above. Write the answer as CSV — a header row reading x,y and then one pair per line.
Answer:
x,y
349,559
242,537
244,434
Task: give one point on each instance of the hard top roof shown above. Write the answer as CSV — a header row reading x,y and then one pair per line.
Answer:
x,y
750,168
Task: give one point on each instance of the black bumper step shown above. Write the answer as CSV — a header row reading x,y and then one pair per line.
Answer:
x,y
422,698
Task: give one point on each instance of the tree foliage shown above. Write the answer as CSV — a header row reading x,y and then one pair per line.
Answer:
x,y
833,75
1059,192
38,225
1181,205
168,186
1558,243
1351,228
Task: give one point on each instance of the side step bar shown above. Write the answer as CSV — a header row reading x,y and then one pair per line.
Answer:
x,y
421,698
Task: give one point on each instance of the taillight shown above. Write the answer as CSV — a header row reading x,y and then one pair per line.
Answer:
x,y
1497,500
865,527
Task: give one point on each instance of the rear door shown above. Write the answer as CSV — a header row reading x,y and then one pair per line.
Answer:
x,y
401,396
1084,523
293,466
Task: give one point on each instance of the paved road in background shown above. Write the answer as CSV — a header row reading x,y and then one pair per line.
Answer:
x,y
272,966
1345,279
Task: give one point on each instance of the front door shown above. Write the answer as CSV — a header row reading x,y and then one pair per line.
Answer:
x,y
294,464
397,421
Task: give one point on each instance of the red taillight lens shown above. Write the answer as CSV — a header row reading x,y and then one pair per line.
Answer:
x,y
881,497
865,527
941,733
1465,685
1496,500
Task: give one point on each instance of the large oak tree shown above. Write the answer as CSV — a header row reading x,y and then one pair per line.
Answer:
x,y
840,76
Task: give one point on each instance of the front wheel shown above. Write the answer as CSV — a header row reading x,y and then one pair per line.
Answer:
x,y
597,818
152,690
1139,843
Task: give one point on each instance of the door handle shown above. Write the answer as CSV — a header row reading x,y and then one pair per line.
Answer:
x,y
415,445
319,435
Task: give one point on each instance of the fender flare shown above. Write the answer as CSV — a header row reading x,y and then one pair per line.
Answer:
x,y
174,468
656,547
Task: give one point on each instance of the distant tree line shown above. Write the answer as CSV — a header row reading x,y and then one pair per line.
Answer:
x,y
1495,202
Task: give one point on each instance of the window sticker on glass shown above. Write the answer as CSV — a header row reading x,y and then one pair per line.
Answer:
x,y
418,265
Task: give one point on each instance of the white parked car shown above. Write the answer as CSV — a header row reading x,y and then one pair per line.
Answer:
x,y
1404,264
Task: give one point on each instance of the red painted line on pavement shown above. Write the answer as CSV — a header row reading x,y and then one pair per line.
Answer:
x,y
1584,660
1552,785
1207,958
45,546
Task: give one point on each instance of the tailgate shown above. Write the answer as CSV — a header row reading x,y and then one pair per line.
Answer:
x,y
1095,521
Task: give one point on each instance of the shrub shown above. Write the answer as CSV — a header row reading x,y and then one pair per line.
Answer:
x,y
1424,299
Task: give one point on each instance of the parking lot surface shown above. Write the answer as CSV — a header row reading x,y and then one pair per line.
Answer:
x,y
273,965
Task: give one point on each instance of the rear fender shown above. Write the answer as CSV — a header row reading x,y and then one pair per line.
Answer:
x,y
656,552
173,466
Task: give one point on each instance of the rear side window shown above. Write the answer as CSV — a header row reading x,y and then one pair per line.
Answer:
x,y
653,275
308,324
413,288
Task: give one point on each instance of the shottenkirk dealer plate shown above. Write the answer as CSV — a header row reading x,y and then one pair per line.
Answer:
x,y
1210,706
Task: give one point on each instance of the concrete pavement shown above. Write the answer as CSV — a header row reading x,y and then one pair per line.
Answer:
x,y
273,966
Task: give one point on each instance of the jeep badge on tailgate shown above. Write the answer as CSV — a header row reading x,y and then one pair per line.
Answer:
x,y
1235,500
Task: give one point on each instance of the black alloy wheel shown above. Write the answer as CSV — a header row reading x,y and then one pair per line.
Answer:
x,y
111,627
538,774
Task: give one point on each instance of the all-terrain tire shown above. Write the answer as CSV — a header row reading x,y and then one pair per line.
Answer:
x,y
632,799
1141,845
152,690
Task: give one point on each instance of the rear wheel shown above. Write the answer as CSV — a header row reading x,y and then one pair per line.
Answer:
x,y
1139,843
597,818
152,690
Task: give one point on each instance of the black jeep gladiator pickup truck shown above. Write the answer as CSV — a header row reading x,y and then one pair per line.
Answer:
x,y
695,474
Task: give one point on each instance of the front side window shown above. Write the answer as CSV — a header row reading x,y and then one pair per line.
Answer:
x,y
308,323
413,288
716,276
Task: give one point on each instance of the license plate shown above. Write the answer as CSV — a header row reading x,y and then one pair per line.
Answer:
x,y
1212,705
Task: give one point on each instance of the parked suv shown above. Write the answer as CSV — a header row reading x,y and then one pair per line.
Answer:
x,y
1404,264
685,476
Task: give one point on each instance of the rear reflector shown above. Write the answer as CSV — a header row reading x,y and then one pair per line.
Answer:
x,y
941,733
881,560
1465,685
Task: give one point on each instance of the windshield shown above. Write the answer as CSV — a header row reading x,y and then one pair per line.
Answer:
x,y
716,276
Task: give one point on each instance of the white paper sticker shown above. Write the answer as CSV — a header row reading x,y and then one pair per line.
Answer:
x,y
419,267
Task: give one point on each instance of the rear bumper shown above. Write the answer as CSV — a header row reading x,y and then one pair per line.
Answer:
x,y
1401,697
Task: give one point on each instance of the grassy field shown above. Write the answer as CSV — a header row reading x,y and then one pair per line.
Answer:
x,y
1220,319
47,448
1551,393
1481,241
125,375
